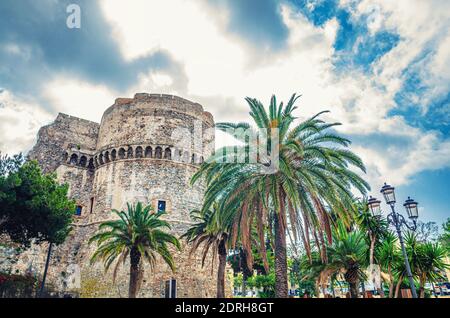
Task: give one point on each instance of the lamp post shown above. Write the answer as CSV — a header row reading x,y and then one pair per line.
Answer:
x,y
397,220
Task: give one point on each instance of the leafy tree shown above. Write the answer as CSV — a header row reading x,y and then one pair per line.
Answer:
x,y
427,231
136,234
313,172
444,239
209,232
10,164
33,206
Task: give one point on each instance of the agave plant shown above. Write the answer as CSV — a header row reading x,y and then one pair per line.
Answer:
x,y
313,173
138,234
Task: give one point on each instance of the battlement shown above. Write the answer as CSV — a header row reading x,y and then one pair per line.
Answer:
x,y
162,101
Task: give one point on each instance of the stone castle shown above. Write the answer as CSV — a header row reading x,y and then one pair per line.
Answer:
x,y
130,156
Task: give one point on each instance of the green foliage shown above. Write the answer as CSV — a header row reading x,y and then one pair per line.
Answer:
x,y
387,253
315,175
139,229
348,253
444,239
10,164
34,205
208,231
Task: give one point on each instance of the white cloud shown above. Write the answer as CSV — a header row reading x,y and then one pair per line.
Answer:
x,y
78,98
20,121
223,69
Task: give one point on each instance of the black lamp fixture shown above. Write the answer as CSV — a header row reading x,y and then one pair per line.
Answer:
x,y
388,193
411,208
374,206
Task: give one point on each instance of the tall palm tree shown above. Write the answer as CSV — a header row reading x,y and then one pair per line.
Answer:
x,y
209,232
138,234
348,254
312,172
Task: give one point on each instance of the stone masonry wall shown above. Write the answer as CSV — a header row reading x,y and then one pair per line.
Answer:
x,y
130,157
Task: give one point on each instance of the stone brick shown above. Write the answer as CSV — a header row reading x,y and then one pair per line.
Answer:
x,y
126,159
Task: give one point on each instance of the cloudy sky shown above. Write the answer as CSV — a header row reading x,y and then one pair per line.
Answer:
x,y
381,67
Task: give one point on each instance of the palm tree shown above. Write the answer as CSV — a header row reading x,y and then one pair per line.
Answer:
x,y
388,254
136,234
313,173
432,261
375,228
209,232
348,254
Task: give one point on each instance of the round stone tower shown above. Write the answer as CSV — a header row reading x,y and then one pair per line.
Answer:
x,y
148,149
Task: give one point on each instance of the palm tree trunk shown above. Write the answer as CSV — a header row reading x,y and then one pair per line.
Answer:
x,y
221,269
397,288
135,258
363,289
391,283
422,286
281,282
353,287
372,249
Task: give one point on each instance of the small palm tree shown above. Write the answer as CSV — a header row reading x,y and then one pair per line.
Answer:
x,y
136,234
374,227
388,254
347,254
209,232
432,261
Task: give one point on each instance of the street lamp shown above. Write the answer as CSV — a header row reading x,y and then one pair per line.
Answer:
x,y
398,221
374,206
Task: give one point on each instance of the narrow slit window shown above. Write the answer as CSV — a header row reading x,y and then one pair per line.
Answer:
x,y
161,206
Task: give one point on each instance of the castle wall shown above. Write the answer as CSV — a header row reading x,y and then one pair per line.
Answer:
x,y
66,133
130,157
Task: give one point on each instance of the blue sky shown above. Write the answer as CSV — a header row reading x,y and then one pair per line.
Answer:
x,y
381,67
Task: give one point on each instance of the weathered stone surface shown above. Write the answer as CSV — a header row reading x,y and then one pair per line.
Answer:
x,y
130,157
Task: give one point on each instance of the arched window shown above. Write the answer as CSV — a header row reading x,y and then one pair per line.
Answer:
x,y
65,157
139,152
168,154
202,160
100,159
91,164
148,152
74,159
83,161
121,153
113,155
193,158
107,157
130,153
158,153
